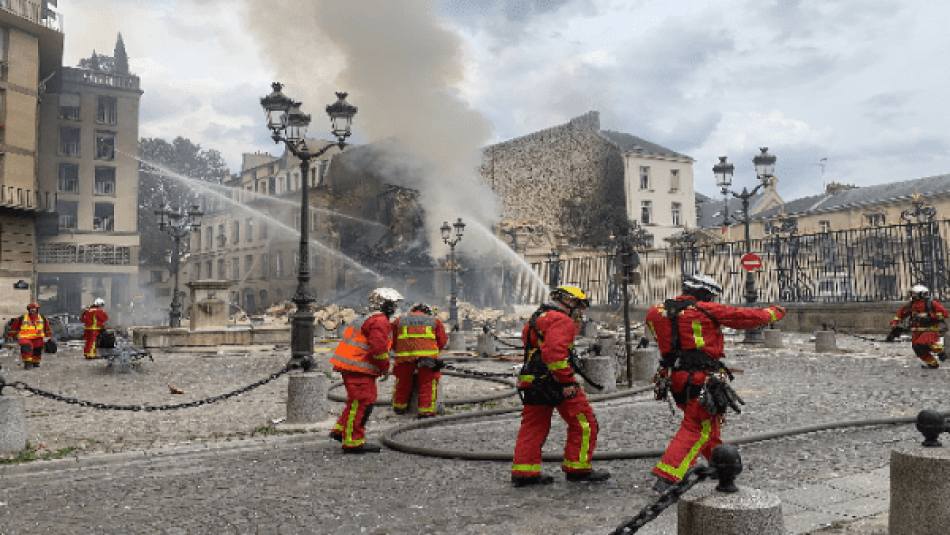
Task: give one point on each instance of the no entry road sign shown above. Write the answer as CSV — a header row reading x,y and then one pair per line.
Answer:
x,y
751,262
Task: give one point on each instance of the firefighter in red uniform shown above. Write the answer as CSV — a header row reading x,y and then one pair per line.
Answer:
x,y
549,337
417,339
94,318
362,356
32,331
925,315
691,366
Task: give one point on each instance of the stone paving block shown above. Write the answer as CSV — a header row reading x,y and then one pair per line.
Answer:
x,y
811,521
814,497
863,484
859,508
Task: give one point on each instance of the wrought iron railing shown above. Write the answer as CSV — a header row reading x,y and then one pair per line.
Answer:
x,y
865,264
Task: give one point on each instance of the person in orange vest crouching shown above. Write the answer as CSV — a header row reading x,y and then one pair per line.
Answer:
x,y
926,314
417,339
688,331
32,331
362,356
94,318
546,383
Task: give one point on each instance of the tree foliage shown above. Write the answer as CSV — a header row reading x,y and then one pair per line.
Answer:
x,y
170,181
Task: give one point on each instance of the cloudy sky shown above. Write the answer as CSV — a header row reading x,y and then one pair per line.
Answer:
x,y
860,83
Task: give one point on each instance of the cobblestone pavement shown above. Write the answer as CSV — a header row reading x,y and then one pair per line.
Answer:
x,y
205,470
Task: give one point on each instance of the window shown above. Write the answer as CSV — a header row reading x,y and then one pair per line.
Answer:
x,y
222,238
265,266
209,265
70,106
236,232
105,181
644,178
69,177
876,220
674,180
221,275
824,226
236,269
209,237
104,216
105,145
768,228
314,221
69,141
264,231
676,211
279,272
68,214
105,110
646,208
248,264
249,230
156,276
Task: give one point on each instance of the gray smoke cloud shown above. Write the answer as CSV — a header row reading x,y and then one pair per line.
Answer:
x,y
400,66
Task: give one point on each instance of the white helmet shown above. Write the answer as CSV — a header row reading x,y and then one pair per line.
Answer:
x,y
98,302
379,298
919,290
702,282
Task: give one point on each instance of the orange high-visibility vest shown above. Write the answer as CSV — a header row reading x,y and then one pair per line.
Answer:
x,y
30,330
415,338
352,353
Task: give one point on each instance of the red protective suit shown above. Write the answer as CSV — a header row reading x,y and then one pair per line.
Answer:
x,y
408,347
94,318
370,345
924,328
31,329
558,331
699,431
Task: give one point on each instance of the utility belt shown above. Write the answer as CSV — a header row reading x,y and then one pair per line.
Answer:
x,y
536,384
690,361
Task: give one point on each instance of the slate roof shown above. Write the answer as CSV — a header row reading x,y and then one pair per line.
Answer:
x,y
864,196
711,212
628,143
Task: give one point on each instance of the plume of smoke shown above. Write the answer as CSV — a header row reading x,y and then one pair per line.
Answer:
x,y
400,66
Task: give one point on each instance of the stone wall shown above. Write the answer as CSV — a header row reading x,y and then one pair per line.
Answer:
x,y
551,175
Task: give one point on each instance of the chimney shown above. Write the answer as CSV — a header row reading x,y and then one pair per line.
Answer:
x,y
834,187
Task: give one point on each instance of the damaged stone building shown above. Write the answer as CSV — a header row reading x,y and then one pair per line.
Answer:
x,y
571,185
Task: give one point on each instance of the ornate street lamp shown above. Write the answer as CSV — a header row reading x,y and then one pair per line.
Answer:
x,y
452,242
624,246
554,269
288,124
764,170
177,225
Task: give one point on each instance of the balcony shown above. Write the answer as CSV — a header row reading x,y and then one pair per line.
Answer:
x,y
65,253
27,199
32,10
86,76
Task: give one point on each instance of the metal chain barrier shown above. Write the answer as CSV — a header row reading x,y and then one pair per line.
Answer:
x,y
668,498
478,374
148,408
504,343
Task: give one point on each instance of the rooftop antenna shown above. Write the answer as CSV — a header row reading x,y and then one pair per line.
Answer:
x,y
822,163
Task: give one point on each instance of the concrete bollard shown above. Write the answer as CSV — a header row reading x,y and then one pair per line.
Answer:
x,y
456,341
602,370
500,326
920,490
773,338
486,344
644,362
707,511
12,424
307,397
825,342
466,325
319,332
340,330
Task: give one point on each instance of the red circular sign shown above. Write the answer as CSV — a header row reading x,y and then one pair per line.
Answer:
x,y
751,262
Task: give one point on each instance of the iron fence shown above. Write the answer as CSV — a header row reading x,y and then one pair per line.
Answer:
x,y
866,264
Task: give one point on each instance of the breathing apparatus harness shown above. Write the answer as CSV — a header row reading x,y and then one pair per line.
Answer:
x,y
545,388
715,394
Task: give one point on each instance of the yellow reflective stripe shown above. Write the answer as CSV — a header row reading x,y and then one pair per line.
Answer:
x,y
404,336
559,365
652,329
525,467
772,313
698,334
435,394
381,356
526,378
420,353
680,471
350,421
583,457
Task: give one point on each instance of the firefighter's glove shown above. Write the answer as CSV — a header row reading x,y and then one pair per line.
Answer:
x,y
718,396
